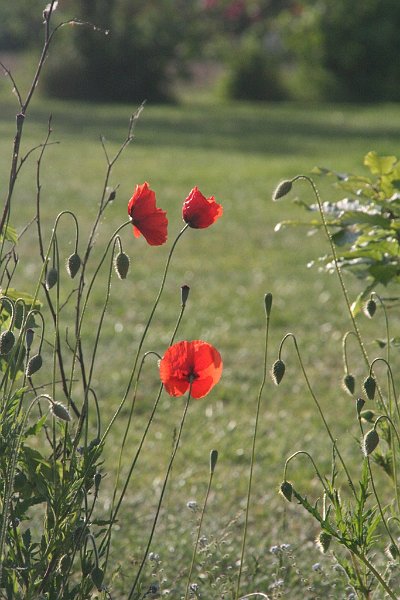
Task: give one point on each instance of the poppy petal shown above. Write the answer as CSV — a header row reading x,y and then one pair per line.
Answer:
x,y
200,212
146,218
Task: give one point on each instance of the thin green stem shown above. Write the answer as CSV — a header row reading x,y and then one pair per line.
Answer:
x,y
291,335
253,452
164,487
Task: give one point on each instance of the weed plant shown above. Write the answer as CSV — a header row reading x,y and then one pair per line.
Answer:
x,y
71,463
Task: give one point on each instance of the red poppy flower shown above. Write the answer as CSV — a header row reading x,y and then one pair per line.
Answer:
x,y
146,218
196,363
200,212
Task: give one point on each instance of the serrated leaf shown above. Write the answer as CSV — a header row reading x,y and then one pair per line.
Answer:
x,y
379,165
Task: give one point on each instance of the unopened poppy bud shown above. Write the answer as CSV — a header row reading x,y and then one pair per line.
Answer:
x,y
370,308
97,576
359,405
370,442
34,364
368,415
60,411
349,383
392,551
213,460
323,541
51,278
73,264
121,265
112,195
369,386
268,303
185,289
278,371
29,335
283,188
7,341
286,489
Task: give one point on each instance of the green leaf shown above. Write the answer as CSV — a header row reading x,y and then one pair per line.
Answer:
x,y
10,234
379,165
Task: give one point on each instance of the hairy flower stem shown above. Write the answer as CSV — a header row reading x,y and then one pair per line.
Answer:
x,y
115,509
317,404
144,334
196,544
336,262
164,487
253,449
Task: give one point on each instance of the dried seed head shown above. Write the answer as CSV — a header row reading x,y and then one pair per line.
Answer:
x,y
349,383
392,551
282,189
51,278
185,289
213,460
268,303
121,265
370,442
286,489
368,415
323,541
7,341
369,386
369,308
359,405
278,371
73,264
60,411
34,364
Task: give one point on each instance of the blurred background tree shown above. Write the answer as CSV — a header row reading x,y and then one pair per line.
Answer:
x,y
268,49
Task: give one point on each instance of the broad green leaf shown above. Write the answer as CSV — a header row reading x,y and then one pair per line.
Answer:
x,y
383,273
357,216
379,165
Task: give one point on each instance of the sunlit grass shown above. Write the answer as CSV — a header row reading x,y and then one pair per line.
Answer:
x,y
237,153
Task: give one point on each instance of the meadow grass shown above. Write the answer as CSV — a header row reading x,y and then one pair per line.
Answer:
x,y
238,153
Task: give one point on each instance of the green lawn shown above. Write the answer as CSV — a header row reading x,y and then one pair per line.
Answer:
x,y
238,153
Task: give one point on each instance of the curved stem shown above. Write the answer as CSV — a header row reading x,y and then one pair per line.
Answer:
x,y
351,484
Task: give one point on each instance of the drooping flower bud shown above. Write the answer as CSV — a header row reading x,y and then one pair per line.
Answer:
x,y
121,265
51,278
7,341
278,371
368,415
34,364
286,489
370,308
323,541
369,386
29,335
60,411
349,383
282,189
97,576
73,264
370,442
359,405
